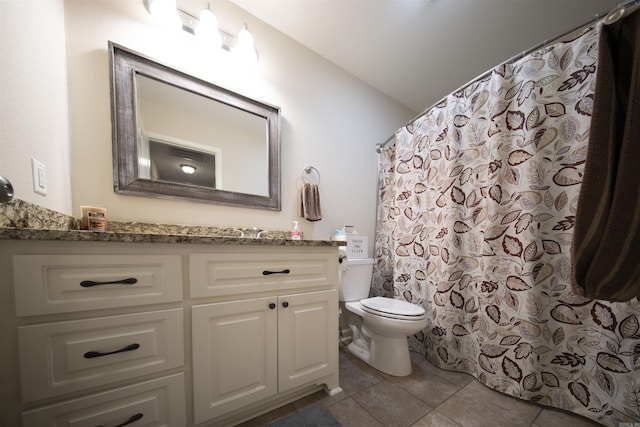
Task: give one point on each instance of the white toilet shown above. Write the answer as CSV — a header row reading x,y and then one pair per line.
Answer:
x,y
379,326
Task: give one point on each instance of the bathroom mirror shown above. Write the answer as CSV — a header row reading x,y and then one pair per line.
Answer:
x,y
179,137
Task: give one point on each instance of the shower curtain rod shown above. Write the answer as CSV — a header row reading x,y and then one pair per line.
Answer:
x,y
611,17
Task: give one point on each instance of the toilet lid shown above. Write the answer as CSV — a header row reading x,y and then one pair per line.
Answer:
x,y
393,308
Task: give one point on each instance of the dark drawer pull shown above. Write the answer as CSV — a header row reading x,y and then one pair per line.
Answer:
x,y
92,354
267,272
133,419
89,283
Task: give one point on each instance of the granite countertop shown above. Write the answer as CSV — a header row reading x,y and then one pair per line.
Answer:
x,y
20,220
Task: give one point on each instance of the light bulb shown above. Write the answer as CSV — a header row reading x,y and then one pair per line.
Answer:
x,y
165,12
207,29
245,48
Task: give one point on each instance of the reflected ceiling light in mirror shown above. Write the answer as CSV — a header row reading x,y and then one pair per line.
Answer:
x,y
188,169
165,12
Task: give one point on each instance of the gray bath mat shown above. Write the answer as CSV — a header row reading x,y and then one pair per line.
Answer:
x,y
314,416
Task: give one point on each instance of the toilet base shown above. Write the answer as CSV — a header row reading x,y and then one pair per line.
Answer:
x,y
388,355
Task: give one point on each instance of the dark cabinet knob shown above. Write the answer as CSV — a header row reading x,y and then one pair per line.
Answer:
x,y
285,304
272,305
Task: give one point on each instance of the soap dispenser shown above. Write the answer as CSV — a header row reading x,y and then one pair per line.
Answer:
x,y
296,234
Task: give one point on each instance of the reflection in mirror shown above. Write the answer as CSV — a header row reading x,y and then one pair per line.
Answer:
x,y
182,138
211,128
169,161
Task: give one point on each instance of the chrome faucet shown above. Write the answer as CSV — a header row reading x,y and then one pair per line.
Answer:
x,y
255,233
252,233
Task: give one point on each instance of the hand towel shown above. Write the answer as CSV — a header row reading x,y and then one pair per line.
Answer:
x,y
310,202
606,241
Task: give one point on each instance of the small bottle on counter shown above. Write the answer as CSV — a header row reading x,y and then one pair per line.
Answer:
x,y
296,234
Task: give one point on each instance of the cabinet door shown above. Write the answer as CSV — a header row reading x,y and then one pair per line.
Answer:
x,y
307,337
234,355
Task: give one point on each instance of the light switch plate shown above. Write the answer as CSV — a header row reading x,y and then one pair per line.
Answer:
x,y
39,177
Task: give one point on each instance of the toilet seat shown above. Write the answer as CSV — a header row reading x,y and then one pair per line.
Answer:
x,y
393,308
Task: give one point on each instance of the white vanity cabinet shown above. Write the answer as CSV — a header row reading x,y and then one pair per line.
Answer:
x,y
248,350
100,335
259,347
163,334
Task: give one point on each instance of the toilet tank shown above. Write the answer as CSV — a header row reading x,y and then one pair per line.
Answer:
x,y
355,279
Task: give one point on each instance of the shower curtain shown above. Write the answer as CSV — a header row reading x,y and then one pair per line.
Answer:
x,y
477,202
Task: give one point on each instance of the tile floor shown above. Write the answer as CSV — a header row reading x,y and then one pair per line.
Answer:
x,y
428,397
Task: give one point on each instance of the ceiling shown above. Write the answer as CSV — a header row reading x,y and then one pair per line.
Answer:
x,y
418,51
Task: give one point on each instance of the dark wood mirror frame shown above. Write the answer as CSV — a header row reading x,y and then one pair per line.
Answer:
x,y
124,64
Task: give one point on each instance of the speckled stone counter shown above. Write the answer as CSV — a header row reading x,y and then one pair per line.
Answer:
x,y
20,220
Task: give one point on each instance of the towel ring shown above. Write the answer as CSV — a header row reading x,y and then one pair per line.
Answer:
x,y
306,172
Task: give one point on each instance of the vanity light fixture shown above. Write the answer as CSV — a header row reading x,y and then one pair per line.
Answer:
x,y
188,169
205,28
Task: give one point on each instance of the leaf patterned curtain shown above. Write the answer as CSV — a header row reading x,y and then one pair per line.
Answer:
x,y
475,224
382,283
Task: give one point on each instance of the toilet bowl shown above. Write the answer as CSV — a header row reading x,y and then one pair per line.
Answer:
x,y
379,326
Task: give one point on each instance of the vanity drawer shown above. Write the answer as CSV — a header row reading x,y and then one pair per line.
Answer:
x,y
219,274
46,284
159,402
62,357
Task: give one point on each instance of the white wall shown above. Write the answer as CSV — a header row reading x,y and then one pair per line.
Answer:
x,y
33,99
331,120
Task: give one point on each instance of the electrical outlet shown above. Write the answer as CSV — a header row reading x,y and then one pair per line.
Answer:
x,y
39,177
